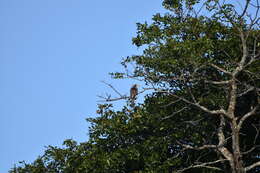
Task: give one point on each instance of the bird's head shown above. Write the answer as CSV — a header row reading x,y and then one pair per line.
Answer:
x,y
136,85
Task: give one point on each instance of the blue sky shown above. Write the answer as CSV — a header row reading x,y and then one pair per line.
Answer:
x,y
53,55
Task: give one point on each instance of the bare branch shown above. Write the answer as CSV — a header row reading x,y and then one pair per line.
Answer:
x,y
122,97
186,147
252,166
221,136
214,112
218,82
251,88
109,99
257,133
172,103
196,104
242,62
192,96
194,122
220,69
226,15
256,19
203,165
196,13
245,9
233,99
222,140
113,88
252,112
249,151
255,146
179,111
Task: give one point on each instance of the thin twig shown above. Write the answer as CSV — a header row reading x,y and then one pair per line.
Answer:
x,y
113,88
204,165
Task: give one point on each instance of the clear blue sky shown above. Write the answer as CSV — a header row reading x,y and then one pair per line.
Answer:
x,y
53,55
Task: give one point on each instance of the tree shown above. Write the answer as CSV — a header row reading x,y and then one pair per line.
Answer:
x,y
200,63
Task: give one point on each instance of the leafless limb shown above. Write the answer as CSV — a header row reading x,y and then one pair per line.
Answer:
x,y
196,104
226,15
179,111
242,62
256,6
255,146
213,112
257,133
113,88
131,76
247,115
220,69
221,136
245,9
172,103
109,99
250,150
225,52
256,18
192,96
194,122
251,88
222,140
198,148
218,82
252,166
203,165
255,55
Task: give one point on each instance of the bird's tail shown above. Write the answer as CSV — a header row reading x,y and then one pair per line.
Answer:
x,y
132,102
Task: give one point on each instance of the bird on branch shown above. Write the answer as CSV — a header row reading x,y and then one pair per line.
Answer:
x,y
133,94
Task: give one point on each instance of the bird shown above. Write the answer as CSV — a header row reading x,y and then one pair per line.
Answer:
x,y
133,92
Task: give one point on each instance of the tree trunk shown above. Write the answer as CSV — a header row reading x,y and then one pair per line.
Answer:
x,y
237,158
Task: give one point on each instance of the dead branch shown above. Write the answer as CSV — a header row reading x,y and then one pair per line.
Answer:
x,y
252,166
220,69
222,140
172,103
186,147
255,146
170,116
203,165
109,99
196,104
213,112
247,115
218,82
257,133
251,88
245,9
113,88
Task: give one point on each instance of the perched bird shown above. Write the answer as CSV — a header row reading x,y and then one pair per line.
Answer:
x,y
133,92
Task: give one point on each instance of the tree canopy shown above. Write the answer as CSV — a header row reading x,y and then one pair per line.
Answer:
x,y
201,73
